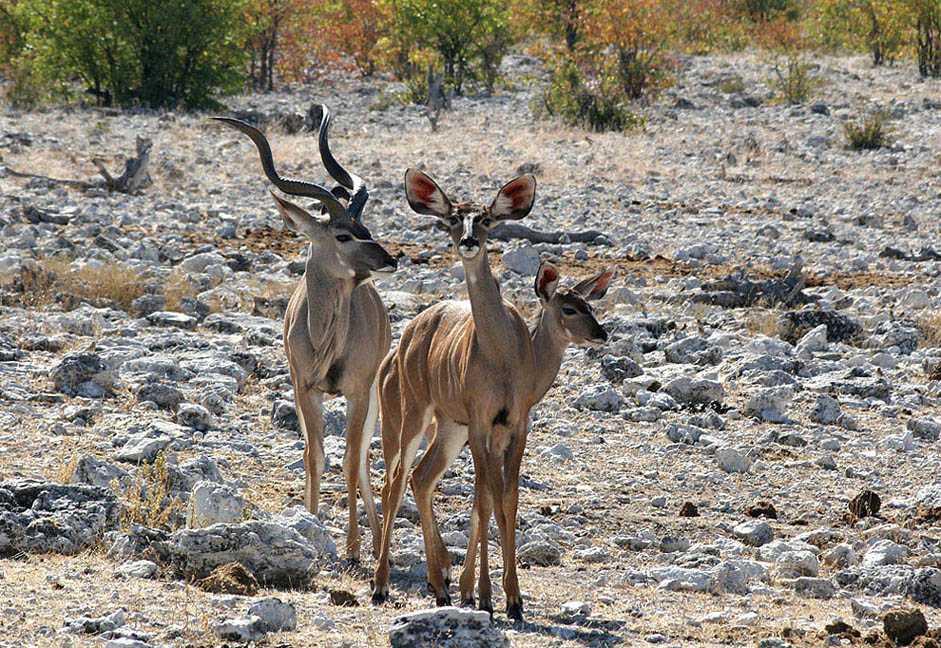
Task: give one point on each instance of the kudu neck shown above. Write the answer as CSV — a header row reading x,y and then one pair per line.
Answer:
x,y
491,321
548,349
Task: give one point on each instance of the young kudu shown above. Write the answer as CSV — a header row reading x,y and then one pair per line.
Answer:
x,y
336,329
476,370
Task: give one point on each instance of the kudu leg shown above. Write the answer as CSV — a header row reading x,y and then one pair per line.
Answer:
x,y
360,426
392,493
483,502
514,457
441,453
470,559
309,406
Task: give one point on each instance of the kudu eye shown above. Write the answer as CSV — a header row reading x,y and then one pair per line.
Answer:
x,y
454,220
568,310
343,238
486,222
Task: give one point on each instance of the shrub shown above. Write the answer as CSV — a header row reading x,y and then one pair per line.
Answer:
x,y
456,31
354,29
765,10
704,26
794,81
881,26
595,104
869,130
624,40
149,51
927,14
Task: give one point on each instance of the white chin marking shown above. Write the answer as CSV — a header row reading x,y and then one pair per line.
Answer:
x,y
381,273
468,253
594,344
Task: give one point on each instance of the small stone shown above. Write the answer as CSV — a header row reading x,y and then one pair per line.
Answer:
x,y
172,320
904,625
211,503
244,628
599,398
540,552
882,552
276,614
819,588
576,608
447,627
689,510
523,260
136,569
754,532
731,460
826,410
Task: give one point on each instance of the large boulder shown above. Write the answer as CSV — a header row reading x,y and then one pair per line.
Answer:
x,y
922,585
275,553
44,517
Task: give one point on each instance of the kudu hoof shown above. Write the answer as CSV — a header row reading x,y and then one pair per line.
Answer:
x,y
378,598
486,605
515,611
468,602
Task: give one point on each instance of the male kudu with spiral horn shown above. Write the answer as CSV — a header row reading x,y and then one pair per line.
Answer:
x,y
336,328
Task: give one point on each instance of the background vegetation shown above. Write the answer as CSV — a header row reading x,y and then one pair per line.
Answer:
x,y
603,55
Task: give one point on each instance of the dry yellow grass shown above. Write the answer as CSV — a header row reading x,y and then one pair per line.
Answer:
x,y
46,280
930,328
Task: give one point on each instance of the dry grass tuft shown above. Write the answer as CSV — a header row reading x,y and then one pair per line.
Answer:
x,y
930,328
176,288
147,499
763,321
54,279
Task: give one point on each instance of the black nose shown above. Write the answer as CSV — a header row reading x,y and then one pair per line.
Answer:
x,y
601,334
469,241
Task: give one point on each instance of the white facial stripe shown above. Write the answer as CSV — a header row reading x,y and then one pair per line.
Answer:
x,y
469,225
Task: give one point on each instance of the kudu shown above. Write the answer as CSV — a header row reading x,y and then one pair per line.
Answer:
x,y
476,370
336,329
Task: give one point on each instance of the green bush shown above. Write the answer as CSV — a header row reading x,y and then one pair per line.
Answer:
x,y
469,36
158,53
793,80
881,26
595,104
869,130
927,15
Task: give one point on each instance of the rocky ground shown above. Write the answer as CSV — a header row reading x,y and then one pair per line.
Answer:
x,y
774,353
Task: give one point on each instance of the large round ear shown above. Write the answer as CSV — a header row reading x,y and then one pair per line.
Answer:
x,y
547,280
595,287
515,199
425,196
296,218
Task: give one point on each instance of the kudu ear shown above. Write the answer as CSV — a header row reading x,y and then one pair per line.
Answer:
x,y
515,199
296,218
595,287
547,280
425,196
